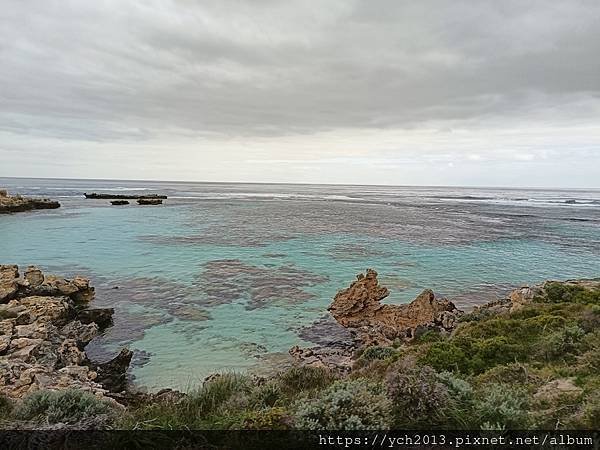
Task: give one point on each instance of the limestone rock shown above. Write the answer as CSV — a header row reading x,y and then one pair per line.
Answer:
x,y
8,282
34,276
43,333
16,203
360,307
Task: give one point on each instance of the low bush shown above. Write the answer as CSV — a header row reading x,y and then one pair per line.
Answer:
x,y
6,406
214,393
562,343
501,406
267,419
298,379
345,405
68,406
556,292
418,396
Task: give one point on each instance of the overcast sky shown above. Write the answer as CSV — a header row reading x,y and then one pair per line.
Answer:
x,y
363,92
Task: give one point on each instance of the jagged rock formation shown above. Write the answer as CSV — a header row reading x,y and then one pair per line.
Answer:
x,y
16,203
360,307
44,327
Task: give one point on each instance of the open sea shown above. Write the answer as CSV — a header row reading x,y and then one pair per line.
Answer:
x,y
230,276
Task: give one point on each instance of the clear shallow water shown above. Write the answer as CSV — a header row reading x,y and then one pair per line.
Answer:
x,y
225,276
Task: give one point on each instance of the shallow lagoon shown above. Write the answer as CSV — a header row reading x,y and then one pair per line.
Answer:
x,y
224,276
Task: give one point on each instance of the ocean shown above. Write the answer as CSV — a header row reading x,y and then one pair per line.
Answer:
x,y
228,276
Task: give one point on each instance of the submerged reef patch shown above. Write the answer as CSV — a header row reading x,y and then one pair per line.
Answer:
x,y
228,280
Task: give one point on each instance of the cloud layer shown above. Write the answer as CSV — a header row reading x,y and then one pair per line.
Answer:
x,y
285,91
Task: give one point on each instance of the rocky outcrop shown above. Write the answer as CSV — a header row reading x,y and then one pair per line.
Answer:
x,y
45,324
359,307
35,283
123,196
119,202
16,203
149,201
525,295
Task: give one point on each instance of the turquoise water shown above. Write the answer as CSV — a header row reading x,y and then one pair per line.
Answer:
x,y
226,276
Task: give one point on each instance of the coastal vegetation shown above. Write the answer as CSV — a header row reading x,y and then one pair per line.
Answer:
x,y
518,366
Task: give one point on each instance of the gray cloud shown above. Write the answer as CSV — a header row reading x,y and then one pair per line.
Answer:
x,y
136,71
102,70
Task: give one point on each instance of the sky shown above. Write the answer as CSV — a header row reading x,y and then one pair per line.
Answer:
x,y
471,93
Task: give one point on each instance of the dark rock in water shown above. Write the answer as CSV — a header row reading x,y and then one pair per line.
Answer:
x,y
100,316
119,202
112,375
326,332
149,201
16,203
123,196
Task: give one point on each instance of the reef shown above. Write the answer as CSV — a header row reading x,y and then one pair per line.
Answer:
x,y
17,203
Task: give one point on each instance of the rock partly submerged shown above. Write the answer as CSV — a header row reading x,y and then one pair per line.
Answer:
x,y
149,201
45,324
17,203
95,195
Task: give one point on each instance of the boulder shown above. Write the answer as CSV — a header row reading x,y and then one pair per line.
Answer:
x,y
100,316
112,375
34,276
9,275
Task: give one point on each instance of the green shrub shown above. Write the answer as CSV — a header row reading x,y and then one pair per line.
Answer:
x,y
68,406
447,356
298,379
6,406
267,419
266,395
561,344
501,406
429,336
513,373
590,415
214,393
556,292
458,412
377,352
374,353
418,396
459,390
345,405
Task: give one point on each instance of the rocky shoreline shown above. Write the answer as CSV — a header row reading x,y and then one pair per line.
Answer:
x,y
17,203
46,322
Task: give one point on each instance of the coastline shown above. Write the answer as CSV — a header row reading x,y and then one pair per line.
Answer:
x,y
51,313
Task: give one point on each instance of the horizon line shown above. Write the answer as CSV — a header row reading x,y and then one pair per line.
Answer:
x,y
310,184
